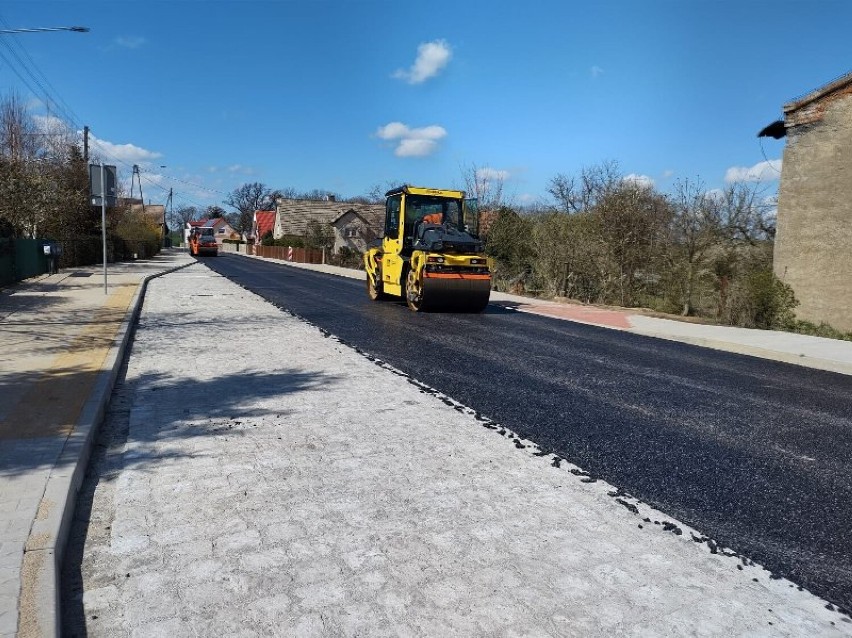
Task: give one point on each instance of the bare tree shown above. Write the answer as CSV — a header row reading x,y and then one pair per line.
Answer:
x,y
696,228
484,185
246,199
284,193
21,183
376,194
43,182
182,215
574,194
748,212
318,195
214,212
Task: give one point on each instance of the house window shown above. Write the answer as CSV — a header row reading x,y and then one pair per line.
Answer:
x,y
350,232
221,231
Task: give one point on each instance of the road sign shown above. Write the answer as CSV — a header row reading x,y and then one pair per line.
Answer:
x,y
96,189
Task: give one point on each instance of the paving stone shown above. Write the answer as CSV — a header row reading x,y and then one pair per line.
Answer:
x,y
292,487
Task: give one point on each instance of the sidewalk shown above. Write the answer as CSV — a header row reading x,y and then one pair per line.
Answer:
x,y
304,489
61,343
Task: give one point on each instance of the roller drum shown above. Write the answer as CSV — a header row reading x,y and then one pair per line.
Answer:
x,y
456,295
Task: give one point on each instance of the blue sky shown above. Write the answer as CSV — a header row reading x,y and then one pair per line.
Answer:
x,y
343,95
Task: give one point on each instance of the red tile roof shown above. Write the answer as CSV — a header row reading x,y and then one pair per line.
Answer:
x,y
265,221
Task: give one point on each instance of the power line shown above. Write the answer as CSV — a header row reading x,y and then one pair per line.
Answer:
x,y
99,149
198,186
167,190
69,112
41,91
768,161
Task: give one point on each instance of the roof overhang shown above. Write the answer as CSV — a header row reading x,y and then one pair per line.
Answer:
x,y
776,130
816,94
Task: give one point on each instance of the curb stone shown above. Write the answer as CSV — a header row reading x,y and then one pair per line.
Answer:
x,y
39,614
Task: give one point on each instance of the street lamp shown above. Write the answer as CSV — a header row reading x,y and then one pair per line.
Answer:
x,y
42,29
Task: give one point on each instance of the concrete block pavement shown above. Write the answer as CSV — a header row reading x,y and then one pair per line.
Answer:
x,y
62,337
292,486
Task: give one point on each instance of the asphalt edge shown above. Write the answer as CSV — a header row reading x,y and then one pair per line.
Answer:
x,y
45,547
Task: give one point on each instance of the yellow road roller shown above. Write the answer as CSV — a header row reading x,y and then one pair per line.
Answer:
x,y
430,253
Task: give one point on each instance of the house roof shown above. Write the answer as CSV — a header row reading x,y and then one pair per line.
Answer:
x,y
812,107
296,213
154,212
835,85
207,223
349,212
265,220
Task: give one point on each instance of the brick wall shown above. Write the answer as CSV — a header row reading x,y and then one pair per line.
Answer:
x,y
813,246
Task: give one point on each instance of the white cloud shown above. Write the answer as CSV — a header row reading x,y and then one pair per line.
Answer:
x,y
241,169
642,181
415,148
596,71
491,174
412,142
130,42
667,173
49,124
392,131
760,172
431,58
129,153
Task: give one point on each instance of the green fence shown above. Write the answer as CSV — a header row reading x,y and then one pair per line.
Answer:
x,y
21,258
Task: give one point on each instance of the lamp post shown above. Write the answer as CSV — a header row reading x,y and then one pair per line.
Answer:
x,y
169,202
42,29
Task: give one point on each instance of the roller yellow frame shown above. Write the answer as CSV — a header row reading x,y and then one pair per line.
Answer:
x,y
430,253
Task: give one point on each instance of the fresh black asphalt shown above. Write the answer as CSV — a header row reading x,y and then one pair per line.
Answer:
x,y
756,454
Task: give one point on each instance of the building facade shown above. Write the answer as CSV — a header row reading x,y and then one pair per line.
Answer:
x,y
354,224
813,244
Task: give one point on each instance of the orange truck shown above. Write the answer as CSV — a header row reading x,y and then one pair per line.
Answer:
x,y
203,244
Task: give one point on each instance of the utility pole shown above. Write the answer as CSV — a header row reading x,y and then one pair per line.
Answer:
x,y
139,180
103,223
86,144
170,206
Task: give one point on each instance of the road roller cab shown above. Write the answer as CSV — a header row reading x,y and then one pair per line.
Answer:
x,y
430,253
